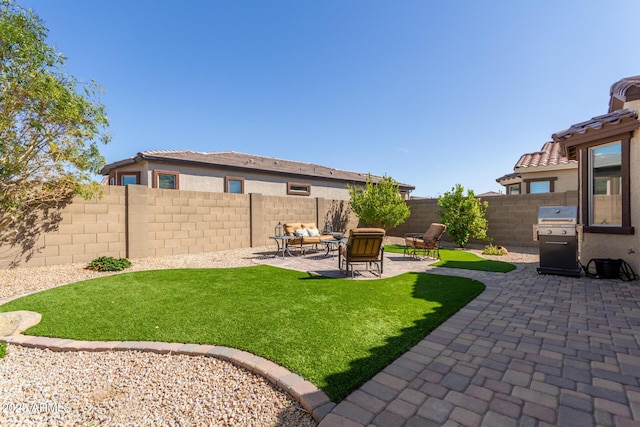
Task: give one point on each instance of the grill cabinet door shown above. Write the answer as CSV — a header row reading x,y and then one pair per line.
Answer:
x,y
558,252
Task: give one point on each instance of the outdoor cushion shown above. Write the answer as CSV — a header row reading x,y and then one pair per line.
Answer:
x,y
305,233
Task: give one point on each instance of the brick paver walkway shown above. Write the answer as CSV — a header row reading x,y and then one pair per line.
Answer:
x,y
531,350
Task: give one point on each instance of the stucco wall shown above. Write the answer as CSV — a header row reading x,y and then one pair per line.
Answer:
x,y
567,179
207,179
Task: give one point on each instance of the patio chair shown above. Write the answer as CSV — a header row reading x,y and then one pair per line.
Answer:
x,y
428,243
364,246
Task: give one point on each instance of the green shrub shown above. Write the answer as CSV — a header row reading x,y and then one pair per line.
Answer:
x,y
379,204
463,215
493,250
3,349
108,263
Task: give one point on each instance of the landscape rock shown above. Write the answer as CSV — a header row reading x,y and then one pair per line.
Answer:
x,y
15,322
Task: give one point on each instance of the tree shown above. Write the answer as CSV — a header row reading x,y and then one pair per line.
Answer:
x,y
463,215
379,204
50,124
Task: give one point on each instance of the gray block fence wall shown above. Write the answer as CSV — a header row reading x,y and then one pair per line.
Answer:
x,y
136,222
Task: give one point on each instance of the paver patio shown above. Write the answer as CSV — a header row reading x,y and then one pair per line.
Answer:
x,y
531,350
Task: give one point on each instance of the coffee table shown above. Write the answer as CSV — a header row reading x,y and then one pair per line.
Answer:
x,y
333,244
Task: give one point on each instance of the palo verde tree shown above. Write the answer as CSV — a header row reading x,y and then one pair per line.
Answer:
x,y
50,125
463,215
379,204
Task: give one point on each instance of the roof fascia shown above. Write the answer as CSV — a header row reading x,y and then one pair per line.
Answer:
x,y
607,130
165,160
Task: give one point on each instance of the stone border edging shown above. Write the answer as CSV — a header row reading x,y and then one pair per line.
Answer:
x,y
312,399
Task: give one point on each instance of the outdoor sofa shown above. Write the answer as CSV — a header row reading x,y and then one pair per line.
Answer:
x,y
305,233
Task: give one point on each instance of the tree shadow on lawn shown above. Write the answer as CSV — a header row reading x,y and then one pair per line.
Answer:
x,y
450,295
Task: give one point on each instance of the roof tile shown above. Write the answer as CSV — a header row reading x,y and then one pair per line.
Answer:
x,y
595,123
549,155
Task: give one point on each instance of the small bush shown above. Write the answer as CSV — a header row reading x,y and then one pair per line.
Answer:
x,y
108,263
493,250
3,350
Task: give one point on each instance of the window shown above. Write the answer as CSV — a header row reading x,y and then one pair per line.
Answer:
x,y
127,178
605,195
605,184
513,189
233,185
602,147
166,180
540,185
297,189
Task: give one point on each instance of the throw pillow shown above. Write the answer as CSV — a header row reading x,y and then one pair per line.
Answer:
x,y
313,232
302,232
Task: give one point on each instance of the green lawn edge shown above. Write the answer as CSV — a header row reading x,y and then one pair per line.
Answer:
x,y
453,258
336,333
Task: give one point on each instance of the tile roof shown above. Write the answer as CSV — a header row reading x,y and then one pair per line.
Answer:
x,y
249,162
549,155
508,176
595,123
626,89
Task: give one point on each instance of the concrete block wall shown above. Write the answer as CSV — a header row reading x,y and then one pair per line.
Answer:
x,y
88,229
510,218
137,221
168,222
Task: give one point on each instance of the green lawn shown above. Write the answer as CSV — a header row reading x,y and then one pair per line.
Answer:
x,y
452,258
337,333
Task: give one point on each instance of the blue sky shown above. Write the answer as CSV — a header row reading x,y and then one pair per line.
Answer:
x,y
431,93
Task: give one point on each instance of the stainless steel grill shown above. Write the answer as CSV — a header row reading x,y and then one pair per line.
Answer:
x,y
557,235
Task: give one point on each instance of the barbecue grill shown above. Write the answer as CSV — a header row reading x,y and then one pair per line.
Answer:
x,y
557,235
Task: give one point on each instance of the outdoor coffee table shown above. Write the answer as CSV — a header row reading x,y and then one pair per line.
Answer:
x,y
283,244
333,244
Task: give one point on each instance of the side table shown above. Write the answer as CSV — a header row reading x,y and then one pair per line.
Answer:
x,y
283,244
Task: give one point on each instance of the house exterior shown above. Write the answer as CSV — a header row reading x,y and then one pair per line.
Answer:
x,y
544,171
232,172
607,149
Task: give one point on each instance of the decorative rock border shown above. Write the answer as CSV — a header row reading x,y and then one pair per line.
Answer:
x,y
308,395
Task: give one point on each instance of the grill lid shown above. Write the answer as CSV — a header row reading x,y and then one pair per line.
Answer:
x,y
558,215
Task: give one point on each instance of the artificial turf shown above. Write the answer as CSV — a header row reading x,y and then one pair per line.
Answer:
x,y
337,333
453,258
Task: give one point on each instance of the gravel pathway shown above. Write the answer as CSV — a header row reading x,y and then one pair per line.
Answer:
x,y
43,387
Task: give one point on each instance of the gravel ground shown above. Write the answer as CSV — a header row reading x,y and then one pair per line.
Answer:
x,y
41,387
